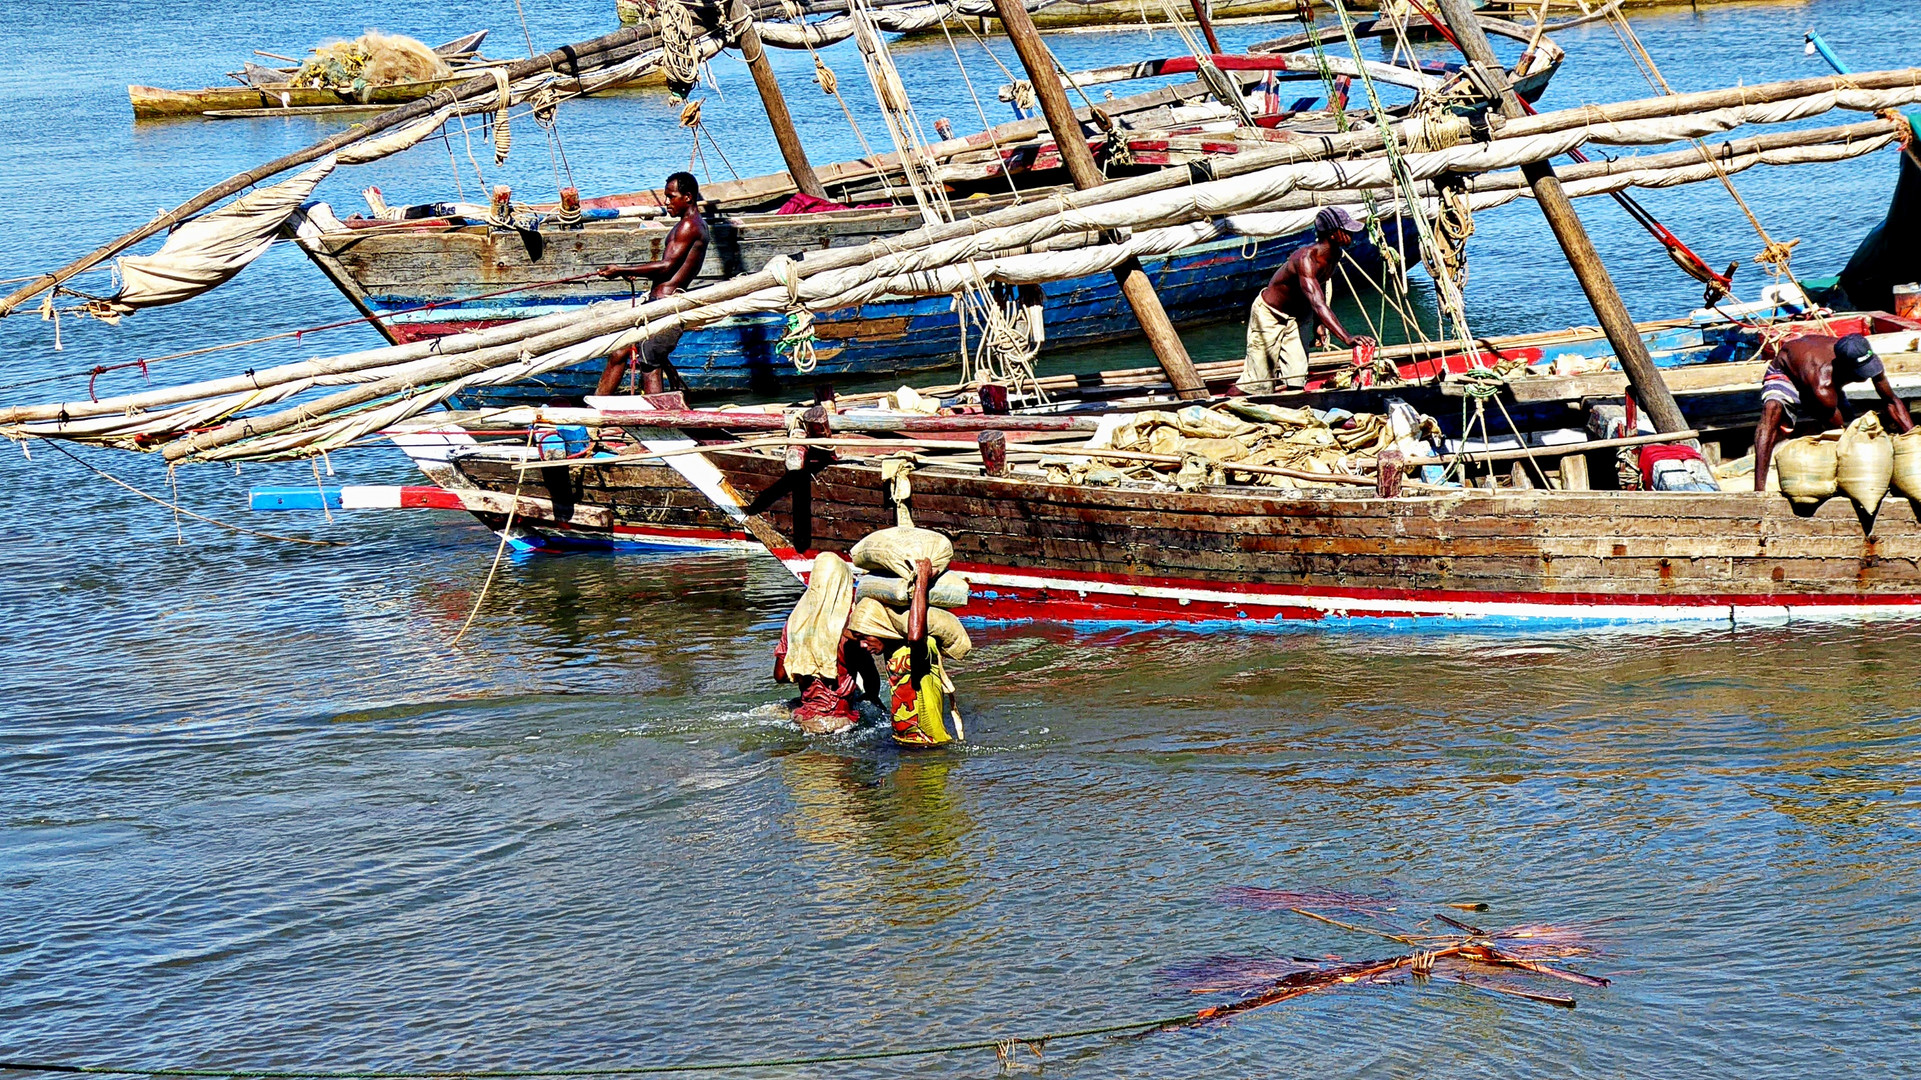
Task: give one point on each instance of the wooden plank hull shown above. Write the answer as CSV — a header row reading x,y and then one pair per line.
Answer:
x,y
621,506
1716,384
152,102
1077,554
431,281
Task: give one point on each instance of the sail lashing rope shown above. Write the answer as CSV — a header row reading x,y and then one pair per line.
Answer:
x,y
1005,354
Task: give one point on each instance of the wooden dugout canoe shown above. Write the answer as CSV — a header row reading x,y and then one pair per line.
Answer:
x,y
152,102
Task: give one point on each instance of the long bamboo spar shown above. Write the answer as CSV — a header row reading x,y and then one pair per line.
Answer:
x,y
1632,352
841,258
1079,160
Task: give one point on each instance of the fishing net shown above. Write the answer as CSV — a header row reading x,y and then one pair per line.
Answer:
x,y
1211,441
372,59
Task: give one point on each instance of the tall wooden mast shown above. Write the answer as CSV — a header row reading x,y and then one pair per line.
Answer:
x,y
1080,165
1649,387
741,18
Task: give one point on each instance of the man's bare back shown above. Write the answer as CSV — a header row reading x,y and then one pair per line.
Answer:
x,y
1802,376
1299,288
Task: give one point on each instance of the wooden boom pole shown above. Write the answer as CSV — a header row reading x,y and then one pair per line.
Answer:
x,y
1207,26
754,51
1649,387
1080,166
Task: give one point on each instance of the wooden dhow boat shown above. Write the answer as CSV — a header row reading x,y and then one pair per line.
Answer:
x,y
1063,552
440,269
606,493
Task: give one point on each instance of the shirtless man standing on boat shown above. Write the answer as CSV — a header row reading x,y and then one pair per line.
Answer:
x,y
1815,368
1296,298
679,261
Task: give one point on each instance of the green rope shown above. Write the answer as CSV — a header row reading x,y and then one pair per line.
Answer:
x,y
1374,229
1141,1026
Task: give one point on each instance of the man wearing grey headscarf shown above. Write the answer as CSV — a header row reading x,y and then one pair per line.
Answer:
x,y
1296,297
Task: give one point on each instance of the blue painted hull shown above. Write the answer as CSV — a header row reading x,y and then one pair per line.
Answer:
x,y
880,340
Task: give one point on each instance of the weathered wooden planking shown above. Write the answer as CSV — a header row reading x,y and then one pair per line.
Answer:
x,y
1542,542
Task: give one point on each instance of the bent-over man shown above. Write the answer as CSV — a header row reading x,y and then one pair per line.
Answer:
x,y
1296,300
1813,370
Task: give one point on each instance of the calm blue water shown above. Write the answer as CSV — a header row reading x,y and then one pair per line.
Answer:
x,y
257,810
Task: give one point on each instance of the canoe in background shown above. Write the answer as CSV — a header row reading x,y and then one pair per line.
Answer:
x,y
266,89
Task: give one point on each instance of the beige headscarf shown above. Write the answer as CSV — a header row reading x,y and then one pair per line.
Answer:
x,y
813,630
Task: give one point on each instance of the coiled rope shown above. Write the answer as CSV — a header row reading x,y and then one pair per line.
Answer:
x,y
797,339
503,135
679,56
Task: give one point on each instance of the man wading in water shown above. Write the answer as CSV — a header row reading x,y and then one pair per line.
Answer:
x,y
679,261
1815,368
1297,296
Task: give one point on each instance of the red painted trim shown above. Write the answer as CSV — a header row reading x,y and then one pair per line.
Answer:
x,y
1259,602
407,332
429,498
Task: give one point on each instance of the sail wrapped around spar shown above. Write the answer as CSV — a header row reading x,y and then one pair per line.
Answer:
x,y
1269,190
209,250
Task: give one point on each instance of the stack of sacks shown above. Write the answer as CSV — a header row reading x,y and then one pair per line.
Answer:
x,y
886,591
1210,440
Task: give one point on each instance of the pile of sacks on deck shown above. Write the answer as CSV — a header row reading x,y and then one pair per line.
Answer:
x,y
1210,441
1863,460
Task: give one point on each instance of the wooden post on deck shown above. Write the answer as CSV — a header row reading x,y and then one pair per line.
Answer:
x,y
755,53
1649,386
1080,165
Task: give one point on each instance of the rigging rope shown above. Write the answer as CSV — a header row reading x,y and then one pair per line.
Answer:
x,y
680,55
506,531
987,126
503,134
1004,353
1774,254
1034,1041
178,511
1447,287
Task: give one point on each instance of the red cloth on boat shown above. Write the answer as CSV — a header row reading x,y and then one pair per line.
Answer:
x,y
1654,452
802,203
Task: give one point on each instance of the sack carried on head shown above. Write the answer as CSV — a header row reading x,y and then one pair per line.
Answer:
x,y
894,551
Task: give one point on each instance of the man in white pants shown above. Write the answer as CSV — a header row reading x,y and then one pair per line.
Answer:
x,y
1296,297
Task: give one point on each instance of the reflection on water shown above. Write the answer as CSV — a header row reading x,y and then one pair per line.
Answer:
x,y
897,826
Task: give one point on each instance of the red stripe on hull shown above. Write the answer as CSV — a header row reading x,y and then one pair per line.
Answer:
x,y
1058,596
405,332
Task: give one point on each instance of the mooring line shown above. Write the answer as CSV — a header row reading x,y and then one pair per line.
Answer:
x,y
1140,1026
178,509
